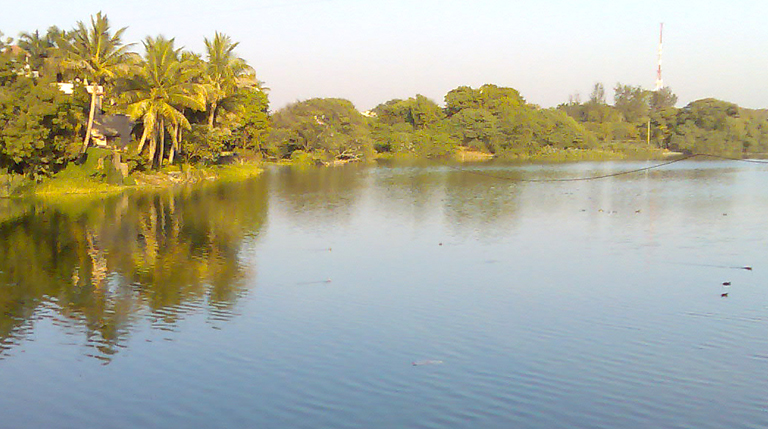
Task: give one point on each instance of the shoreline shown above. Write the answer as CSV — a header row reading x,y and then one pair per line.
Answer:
x,y
189,175
163,179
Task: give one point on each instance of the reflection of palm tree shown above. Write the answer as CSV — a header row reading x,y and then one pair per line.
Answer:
x,y
103,267
96,53
99,269
159,91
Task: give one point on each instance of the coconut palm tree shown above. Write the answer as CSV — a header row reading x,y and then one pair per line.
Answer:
x,y
225,74
37,47
157,94
98,54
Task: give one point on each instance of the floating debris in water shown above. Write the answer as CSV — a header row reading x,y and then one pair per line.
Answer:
x,y
314,283
730,267
427,362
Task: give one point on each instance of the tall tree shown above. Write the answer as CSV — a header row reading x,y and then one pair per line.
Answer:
x,y
159,92
98,54
225,73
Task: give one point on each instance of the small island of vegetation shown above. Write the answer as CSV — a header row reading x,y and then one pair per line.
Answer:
x,y
80,109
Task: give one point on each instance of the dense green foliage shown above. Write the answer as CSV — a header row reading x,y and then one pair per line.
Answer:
x,y
328,128
704,126
491,119
39,125
214,99
498,121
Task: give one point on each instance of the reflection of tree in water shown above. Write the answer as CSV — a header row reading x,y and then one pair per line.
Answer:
x,y
106,266
480,204
411,191
320,192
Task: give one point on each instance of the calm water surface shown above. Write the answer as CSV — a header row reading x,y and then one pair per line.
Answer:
x,y
302,299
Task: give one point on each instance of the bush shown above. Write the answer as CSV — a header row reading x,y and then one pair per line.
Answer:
x,y
205,144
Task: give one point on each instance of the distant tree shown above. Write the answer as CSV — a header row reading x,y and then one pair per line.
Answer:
x,y
498,99
476,128
662,98
632,102
597,96
459,99
328,128
420,112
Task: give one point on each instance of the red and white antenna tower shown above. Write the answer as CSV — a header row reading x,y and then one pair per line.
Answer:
x,y
659,81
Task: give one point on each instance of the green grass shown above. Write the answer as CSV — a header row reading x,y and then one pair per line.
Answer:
x,y
236,172
76,181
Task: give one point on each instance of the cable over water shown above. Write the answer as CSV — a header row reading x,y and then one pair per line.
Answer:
x,y
620,173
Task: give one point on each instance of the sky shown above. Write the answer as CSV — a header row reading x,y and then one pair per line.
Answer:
x,y
370,52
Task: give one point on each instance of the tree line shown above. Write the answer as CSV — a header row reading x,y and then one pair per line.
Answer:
x,y
192,107
497,120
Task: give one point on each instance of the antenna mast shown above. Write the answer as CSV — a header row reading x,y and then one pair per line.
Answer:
x,y
659,81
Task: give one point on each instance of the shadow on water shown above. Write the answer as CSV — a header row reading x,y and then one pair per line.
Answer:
x,y
99,267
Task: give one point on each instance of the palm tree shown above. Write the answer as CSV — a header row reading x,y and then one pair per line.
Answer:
x,y
96,53
225,74
38,48
42,50
157,94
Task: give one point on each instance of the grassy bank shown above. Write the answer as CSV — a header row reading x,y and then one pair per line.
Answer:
x,y
82,182
608,152
598,154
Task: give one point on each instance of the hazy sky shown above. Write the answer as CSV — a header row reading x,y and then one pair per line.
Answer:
x,y
373,51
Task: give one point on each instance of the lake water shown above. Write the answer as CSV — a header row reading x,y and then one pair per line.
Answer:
x,y
303,298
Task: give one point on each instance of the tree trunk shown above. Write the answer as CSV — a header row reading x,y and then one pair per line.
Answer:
x,y
152,148
212,114
178,139
89,127
161,148
174,144
143,140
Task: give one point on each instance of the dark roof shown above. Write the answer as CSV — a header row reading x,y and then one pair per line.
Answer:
x,y
115,126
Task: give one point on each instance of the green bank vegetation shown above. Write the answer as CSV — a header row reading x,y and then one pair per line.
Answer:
x,y
498,122
188,112
58,89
